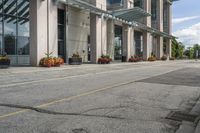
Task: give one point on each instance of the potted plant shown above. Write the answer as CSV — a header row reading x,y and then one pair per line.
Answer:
x,y
104,59
50,61
75,59
164,58
4,61
135,58
152,58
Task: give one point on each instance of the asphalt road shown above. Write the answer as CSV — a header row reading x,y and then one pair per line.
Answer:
x,y
116,98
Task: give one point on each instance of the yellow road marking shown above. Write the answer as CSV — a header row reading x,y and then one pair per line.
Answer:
x,y
66,99
13,113
77,96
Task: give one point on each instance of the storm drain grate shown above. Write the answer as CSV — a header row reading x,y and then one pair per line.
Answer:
x,y
181,116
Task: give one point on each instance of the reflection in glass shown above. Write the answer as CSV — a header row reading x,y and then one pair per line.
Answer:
x,y
1,26
61,32
1,6
10,26
10,7
1,44
23,27
23,46
10,46
14,27
61,48
23,8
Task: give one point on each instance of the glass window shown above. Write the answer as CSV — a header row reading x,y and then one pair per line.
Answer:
x,y
10,25
61,48
10,7
1,44
114,2
14,27
1,24
154,9
61,15
9,44
139,3
23,45
61,32
1,6
23,27
23,8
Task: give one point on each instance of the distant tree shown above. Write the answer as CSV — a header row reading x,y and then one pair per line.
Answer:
x,y
196,49
177,49
191,53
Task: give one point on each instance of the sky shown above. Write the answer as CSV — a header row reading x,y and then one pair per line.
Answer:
x,y
186,21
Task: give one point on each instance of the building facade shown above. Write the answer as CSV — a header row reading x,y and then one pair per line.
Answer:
x,y
30,29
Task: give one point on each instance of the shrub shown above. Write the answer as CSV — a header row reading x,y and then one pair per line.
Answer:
x,y
135,58
105,59
152,58
50,61
4,58
76,55
164,58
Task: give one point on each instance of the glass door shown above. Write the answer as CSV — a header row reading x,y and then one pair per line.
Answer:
x,y
118,43
61,34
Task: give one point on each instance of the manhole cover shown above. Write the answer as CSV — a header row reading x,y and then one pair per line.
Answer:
x,y
80,130
181,116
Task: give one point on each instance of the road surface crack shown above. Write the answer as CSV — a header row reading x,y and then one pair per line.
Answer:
x,y
44,111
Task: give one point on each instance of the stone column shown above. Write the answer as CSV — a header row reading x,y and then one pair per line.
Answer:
x,y
127,35
127,47
43,29
98,33
110,38
169,41
159,53
160,28
147,38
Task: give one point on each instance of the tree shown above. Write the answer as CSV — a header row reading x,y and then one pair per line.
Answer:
x,y
177,49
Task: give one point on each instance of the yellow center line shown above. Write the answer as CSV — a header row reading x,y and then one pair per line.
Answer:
x,y
66,99
77,96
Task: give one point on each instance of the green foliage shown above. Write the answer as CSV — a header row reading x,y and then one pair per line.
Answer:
x,y
192,52
177,49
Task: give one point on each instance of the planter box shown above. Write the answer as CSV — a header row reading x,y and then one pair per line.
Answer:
x,y
75,61
4,63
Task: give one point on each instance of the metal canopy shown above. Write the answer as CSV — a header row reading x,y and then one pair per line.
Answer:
x,y
127,16
151,30
131,14
84,5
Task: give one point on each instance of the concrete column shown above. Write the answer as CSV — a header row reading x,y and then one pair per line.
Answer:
x,y
127,45
159,53
43,30
147,38
98,32
146,45
169,41
110,38
160,28
169,48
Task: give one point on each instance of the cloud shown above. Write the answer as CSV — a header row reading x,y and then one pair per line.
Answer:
x,y
181,20
189,36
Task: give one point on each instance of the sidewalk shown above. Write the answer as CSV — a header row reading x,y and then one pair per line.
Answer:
x,y
29,69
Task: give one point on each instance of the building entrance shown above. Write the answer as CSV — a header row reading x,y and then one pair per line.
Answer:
x,y
61,34
118,43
